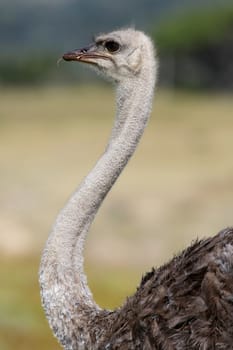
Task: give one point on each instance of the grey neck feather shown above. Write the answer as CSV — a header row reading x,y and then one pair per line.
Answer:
x,y
64,290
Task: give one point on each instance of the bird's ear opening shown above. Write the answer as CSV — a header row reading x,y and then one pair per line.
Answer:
x,y
135,59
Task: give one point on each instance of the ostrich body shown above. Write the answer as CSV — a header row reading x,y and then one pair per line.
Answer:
x,y
185,304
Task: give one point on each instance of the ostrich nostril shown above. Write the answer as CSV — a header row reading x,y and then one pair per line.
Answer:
x,y
84,50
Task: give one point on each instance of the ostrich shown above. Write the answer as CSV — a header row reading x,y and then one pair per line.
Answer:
x,y
185,304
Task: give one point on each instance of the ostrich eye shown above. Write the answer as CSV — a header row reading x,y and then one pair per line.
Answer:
x,y
112,46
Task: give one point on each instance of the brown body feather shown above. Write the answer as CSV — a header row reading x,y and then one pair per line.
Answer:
x,y
185,304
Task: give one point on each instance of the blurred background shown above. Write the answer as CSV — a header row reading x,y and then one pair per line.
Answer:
x,y
54,124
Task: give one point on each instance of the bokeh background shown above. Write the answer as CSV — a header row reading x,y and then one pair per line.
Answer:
x,y
54,124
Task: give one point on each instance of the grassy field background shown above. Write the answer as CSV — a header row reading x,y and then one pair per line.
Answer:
x,y
177,187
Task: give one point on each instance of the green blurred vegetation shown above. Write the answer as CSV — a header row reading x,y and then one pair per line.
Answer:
x,y
194,46
195,49
22,323
195,28
28,70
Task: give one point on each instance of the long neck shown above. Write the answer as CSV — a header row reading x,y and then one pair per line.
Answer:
x,y
64,289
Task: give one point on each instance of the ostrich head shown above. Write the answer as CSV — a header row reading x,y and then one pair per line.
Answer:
x,y
118,55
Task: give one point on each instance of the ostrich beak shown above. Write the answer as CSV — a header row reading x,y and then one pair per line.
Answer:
x,y
88,54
